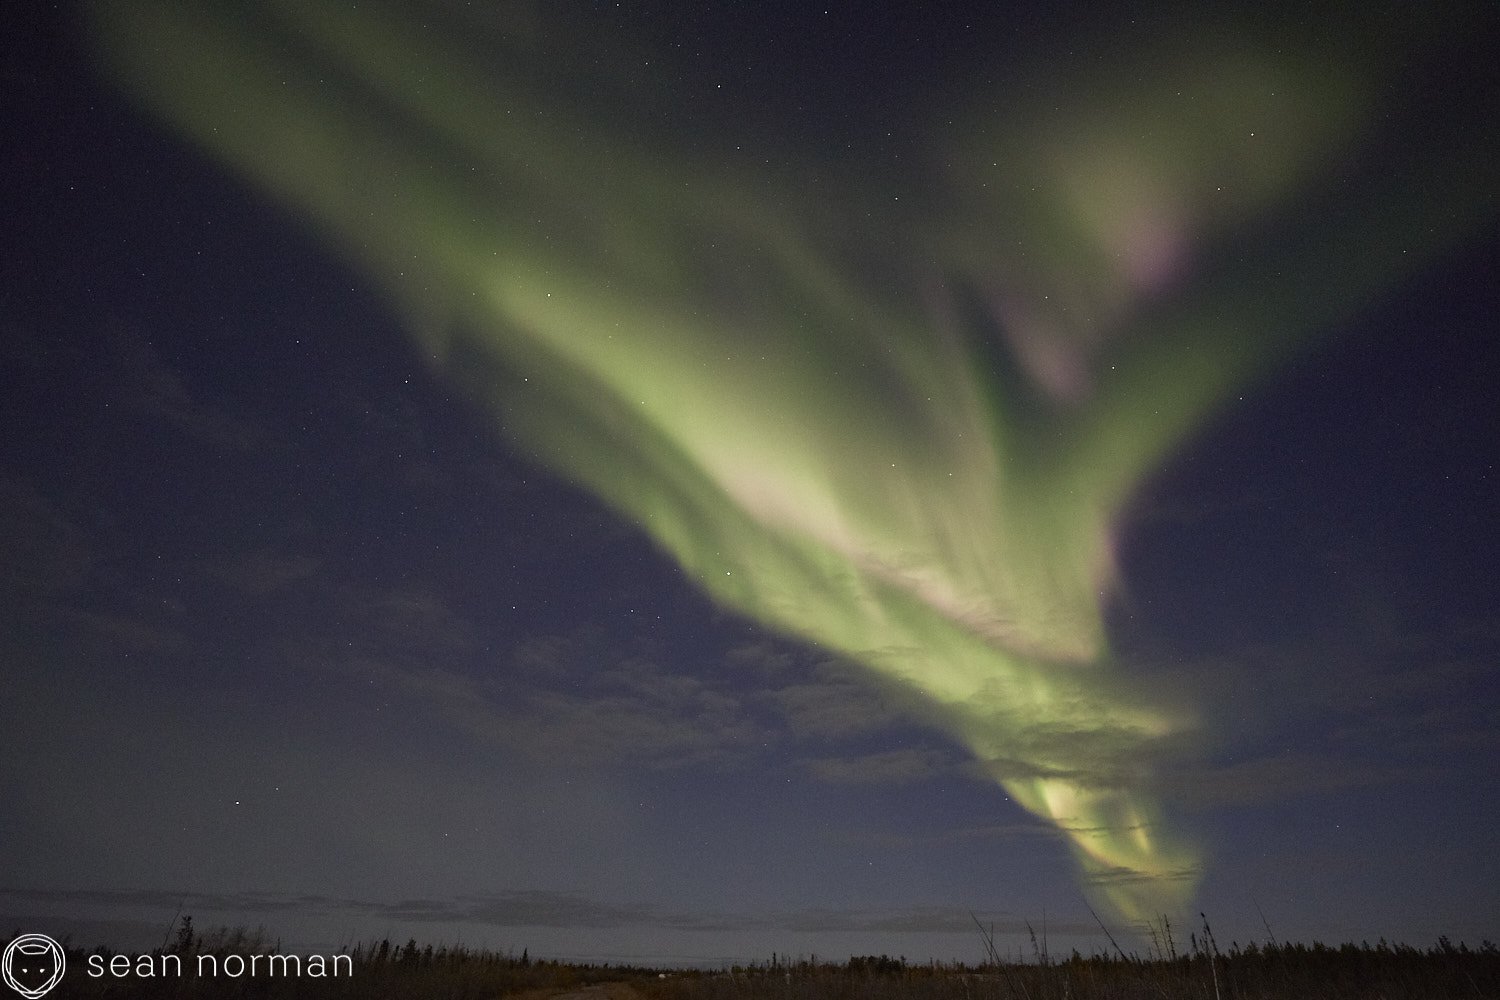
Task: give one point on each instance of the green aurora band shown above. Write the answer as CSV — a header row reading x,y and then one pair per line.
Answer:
x,y
903,428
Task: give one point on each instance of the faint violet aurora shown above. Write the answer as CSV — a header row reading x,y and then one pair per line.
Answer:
x,y
901,425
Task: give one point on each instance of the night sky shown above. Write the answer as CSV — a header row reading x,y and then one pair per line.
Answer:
x,y
674,483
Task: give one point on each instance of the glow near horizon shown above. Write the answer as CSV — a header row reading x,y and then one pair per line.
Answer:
x,y
907,440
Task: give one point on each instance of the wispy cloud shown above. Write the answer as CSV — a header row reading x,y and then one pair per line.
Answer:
x,y
1284,776
831,705
261,571
574,698
543,908
1126,876
133,632
565,701
171,899
42,550
154,388
1341,712
887,767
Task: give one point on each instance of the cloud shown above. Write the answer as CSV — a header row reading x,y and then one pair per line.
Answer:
x,y
997,834
152,387
832,707
561,699
630,708
418,617
573,698
169,899
1343,711
412,626
537,908
570,698
824,700
699,732
42,551
1127,876
1283,776
48,570
920,920
260,572
888,767
542,908
525,908
136,633
773,660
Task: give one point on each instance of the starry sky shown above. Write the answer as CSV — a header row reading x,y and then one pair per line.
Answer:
x,y
673,485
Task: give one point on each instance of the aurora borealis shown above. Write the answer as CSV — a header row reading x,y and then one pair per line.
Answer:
x,y
898,414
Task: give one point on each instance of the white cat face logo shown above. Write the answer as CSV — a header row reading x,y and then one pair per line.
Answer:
x,y
33,964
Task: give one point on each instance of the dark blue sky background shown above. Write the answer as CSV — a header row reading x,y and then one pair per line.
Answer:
x,y
293,637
